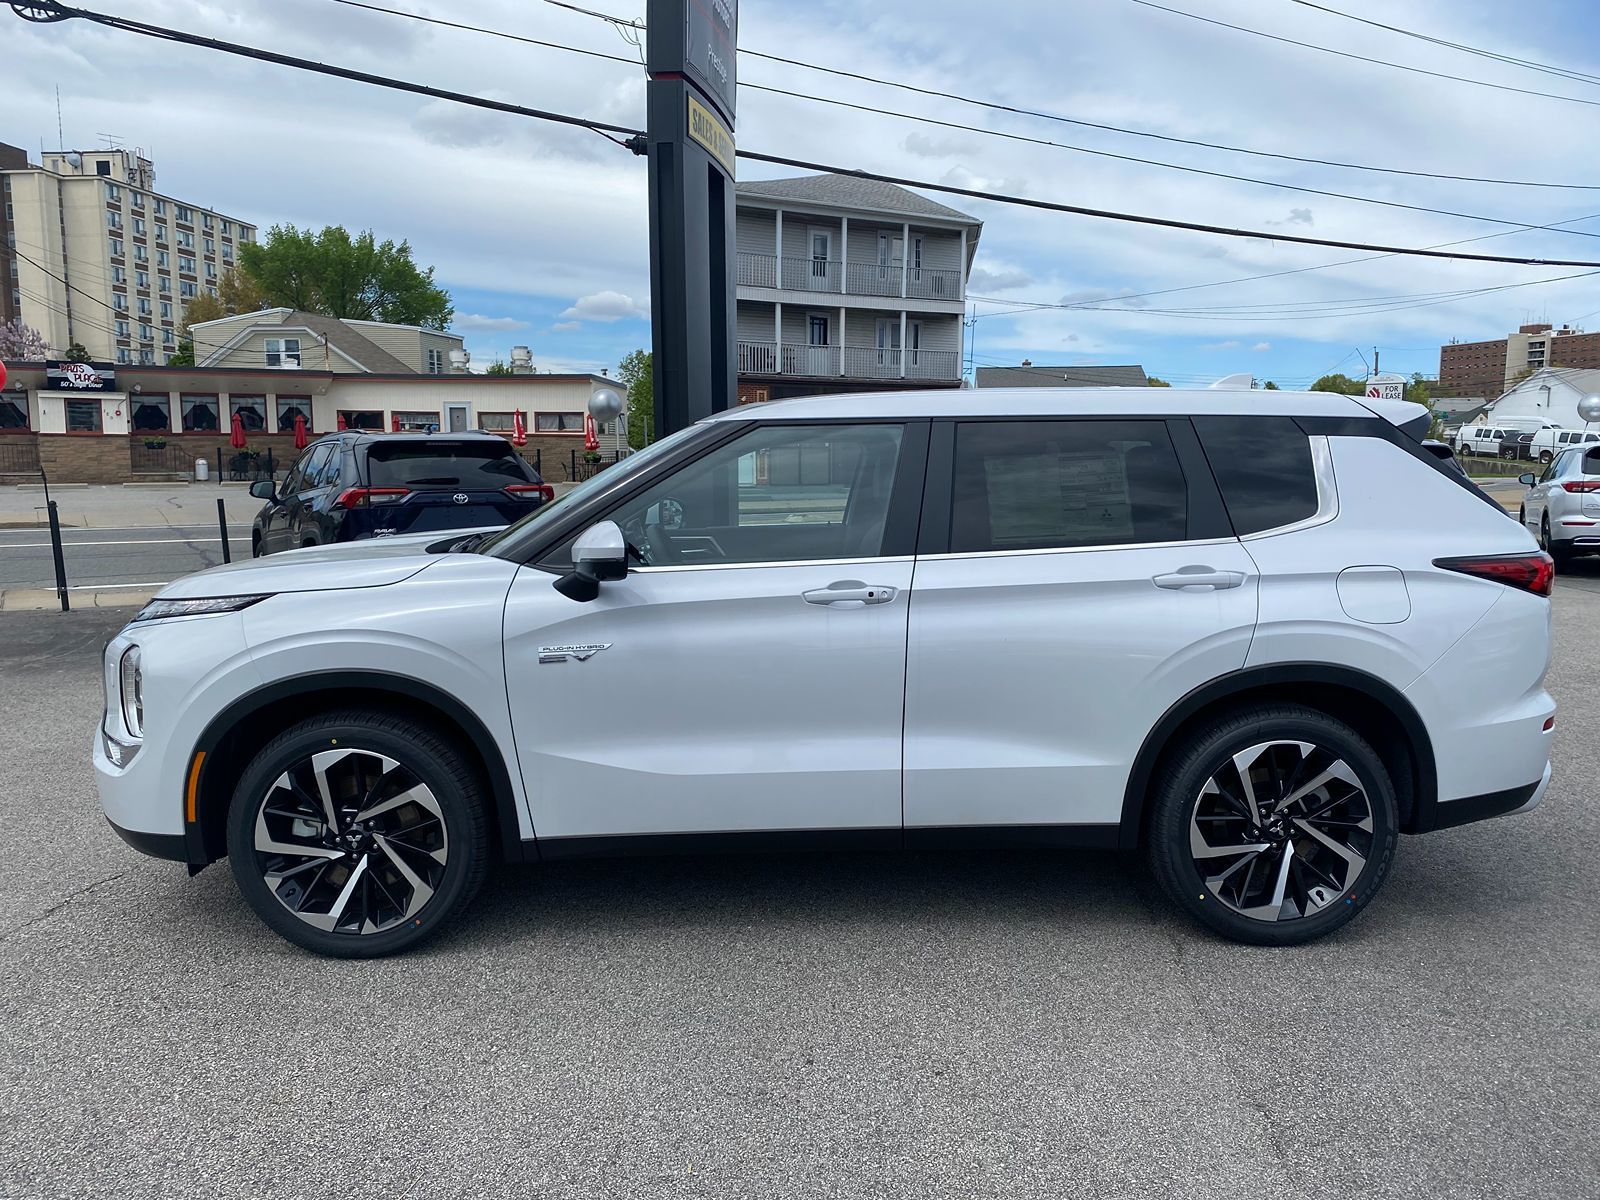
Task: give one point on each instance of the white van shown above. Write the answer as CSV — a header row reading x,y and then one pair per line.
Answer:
x,y
1481,439
1547,443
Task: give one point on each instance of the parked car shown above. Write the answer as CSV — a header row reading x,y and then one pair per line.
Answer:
x,y
1562,506
349,486
1481,439
1517,444
1546,443
1245,633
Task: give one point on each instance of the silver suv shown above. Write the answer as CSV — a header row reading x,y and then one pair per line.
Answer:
x,y
1562,507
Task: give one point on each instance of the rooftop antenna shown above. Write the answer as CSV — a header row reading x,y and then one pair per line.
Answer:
x,y
61,138
113,141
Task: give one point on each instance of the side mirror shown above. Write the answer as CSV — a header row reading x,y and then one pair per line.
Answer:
x,y
262,489
600,555
1527,479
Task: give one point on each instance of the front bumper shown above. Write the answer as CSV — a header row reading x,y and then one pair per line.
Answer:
x,y
173,846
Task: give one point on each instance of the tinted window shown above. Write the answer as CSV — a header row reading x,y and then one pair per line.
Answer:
x,y
311,470
775,494
1263,466
474,465
1033,485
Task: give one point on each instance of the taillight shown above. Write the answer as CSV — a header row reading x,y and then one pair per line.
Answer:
x,y
522,491
1582,485
1534,573
357,497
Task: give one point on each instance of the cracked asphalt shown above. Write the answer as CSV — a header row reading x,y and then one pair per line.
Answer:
x,y
940,1025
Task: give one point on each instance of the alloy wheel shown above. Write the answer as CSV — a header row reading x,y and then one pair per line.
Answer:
x,y
1281,830
351,841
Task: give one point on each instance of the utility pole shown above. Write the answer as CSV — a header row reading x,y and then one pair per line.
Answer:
x,y
690,107
1374,360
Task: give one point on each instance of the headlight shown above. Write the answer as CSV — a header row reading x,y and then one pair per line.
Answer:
x,y
131,679
158,610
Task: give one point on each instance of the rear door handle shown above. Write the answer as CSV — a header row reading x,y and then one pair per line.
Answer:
x,y
849,591
1199,577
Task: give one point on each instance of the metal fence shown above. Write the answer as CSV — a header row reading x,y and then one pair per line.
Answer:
x,y
19,456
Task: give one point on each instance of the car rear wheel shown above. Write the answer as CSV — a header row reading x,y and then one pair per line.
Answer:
x,y
1274,825
1545,456
358,833
1558,552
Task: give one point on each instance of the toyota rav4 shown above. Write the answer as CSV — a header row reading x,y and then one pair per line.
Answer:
x,y
1244,633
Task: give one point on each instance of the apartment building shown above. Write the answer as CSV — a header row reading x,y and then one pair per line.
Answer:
x,y
848,284
1489,368
91,253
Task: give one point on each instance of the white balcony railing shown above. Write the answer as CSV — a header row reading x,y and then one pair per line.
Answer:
x,y
848,362
798,274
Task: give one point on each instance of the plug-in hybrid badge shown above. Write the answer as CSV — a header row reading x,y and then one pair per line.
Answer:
x,y
555,654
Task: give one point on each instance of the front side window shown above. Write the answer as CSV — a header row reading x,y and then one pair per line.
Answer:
x,y
1040,485
1263,466
774,494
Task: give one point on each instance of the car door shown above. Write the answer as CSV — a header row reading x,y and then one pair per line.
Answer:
x,y
275,522
1536,502
298,519
1076,578
750,675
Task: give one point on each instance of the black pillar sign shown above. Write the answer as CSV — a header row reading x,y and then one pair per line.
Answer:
x,y
691,95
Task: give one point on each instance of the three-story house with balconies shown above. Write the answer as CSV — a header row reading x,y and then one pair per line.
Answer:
x,y
848,284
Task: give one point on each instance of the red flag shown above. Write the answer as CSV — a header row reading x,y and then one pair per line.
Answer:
x,y
591,435
237,439
299,432
519,431
341,423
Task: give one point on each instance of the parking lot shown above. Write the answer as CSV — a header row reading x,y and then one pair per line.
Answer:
x,y
961,1024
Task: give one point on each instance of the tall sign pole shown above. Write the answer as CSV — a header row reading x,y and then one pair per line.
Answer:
x,y
690,97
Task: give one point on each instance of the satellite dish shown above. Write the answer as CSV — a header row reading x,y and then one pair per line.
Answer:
x,y
605,405
1589,409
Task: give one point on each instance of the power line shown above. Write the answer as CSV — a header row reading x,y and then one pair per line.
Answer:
x,y
59,11
1509,59
1042,114
1362,58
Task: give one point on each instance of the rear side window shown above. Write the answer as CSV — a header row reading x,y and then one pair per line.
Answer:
x,y
481,465
1037,485
1263,467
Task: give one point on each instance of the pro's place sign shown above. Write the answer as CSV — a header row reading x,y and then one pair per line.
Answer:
x,y
80,377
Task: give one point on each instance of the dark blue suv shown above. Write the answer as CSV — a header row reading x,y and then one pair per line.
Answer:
x,y
354,485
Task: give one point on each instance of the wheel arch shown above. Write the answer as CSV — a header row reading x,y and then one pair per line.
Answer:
x,y
1376,709
237,733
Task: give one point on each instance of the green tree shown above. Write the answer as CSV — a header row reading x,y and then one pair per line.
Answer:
x,y
1342,384
204,307
240,293
1152,381
635,373
1417,390
77,352
183,356
499,367
342,276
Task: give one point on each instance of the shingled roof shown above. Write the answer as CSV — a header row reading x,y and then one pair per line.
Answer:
x,y
847,191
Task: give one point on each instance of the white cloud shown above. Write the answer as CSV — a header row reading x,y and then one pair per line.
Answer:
x,y
476,323
566,327
1261,347
1230,344
605,306
981,279
925,145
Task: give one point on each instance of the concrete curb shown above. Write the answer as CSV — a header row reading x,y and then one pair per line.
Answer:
x,y
37,599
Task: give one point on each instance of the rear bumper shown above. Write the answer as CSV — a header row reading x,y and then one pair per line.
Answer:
x,y
1448,814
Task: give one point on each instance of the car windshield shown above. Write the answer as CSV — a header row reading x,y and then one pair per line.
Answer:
x,y
534,521
478,464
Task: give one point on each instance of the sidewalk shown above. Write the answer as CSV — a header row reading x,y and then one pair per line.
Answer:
x,y
118,506
44,599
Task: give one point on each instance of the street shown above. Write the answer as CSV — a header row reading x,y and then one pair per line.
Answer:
x,y
129,556
956,1024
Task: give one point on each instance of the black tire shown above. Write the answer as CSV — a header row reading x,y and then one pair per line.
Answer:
x,y
402,909
1545,456
1559,554
255,544
1314,899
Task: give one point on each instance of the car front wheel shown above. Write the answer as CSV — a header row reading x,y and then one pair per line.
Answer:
x,y
358,833
1274,825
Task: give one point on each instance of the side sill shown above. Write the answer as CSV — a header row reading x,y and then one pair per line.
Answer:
x,y
787,841
1447,814
171,846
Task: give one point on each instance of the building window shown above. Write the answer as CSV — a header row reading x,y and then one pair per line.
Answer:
x,y
147,358
199,414
227,228
102,167
185,214
164,284
205,219
166,310
121,328
167,338
435,361
140,254
83,416
210,246
137,199
417,422
113,193
147,333
151,414
13,410
161,235
138,227
185,265
367,419
188,290
283,352
116,247
119,301
497,422
124,356
566,422
161,207
227,253
163,259
211,270
113,220
290,407
185,239
142,279
251,411
119,275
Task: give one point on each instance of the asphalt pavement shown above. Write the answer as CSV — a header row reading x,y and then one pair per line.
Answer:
x,y
929,1025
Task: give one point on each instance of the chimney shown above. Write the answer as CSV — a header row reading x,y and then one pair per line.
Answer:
x,y
521,360
459,361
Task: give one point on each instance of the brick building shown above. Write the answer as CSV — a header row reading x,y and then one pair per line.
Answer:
x,y
1490,368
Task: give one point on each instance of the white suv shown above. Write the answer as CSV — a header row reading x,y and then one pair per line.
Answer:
x,y
1244,632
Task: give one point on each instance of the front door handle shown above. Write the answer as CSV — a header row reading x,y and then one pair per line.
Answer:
x,y
1199,577
849,591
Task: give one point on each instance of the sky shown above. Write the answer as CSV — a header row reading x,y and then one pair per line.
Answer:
x,y
540,232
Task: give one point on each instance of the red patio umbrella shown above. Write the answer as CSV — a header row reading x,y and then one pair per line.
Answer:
x,y
236,439
299,432
394,424
341,423
519,431
591,435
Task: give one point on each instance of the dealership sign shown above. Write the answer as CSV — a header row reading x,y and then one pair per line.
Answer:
x,y
80,377
1386,387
